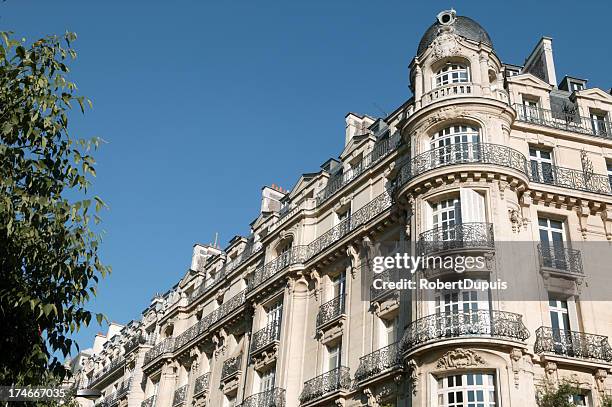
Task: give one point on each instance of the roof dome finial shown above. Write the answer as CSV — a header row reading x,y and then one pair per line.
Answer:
x,y
448,21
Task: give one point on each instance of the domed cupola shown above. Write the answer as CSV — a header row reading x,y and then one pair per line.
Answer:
x,y
449,22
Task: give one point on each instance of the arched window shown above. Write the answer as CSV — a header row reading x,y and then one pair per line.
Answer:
x,y
456,144
452,73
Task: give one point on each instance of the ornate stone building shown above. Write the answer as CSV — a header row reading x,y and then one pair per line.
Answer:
x,y
482,152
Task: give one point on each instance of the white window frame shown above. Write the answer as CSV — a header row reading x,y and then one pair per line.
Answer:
x,y
267,380
445,214
452,73
599,121
334,352
536,157
531,109
451,385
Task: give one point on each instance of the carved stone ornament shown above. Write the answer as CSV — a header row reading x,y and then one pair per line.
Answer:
x,y
459,358
372,402
445,45
515,356
340,402
353,257
517,220
600,379
551,370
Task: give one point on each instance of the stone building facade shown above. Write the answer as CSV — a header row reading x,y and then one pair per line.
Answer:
x,y
483,152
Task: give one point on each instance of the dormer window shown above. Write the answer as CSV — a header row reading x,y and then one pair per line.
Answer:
x,y
575,86
452,73
600,127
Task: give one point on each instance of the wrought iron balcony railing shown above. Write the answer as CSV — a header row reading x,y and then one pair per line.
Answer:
x,y
326,384
148,402
337,182
572,344
330,310
545,173
250,249
363,215
140,339
114,398
560,259
271,398
112,367
379,361
569,121
468,235
180,396
201,384
265,336
165,346
203,324
446,325
462,153
231,366
295,255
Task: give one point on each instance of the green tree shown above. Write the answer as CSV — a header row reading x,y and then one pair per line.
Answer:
x,y
550,395
49,262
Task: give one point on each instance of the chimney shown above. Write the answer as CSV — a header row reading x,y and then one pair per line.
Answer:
x,y
541,62
270,198
356,126
201,253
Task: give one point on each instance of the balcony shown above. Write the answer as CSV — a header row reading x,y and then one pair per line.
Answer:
x,y
337,182
138,340
230,374
330,311
380,361
166,346
560,261
200,327
477,323
362,216
462,153
114,398
107,371
544,173
180,396
148,402
231,367
295,255
202,384
572,344
249,250
327,384
461,236
452,90
271,398
568,121
266,336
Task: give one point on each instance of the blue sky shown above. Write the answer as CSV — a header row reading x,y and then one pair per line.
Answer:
x,y
203,103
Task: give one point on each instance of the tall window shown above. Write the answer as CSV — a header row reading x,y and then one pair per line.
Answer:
x,y
531,110
273,317
338,285
541,165
600,128
267,379
467,390
560,324
462,309
333,357
552,242
452,73
446,214
390,329
455,144
230,401
609,166
343,215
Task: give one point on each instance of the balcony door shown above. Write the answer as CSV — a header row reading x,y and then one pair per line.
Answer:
x,y
446,215
455,144
462,312
267,380
338,286
334,357
552,243
541,165
273,319
560,324
600,127
531,110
